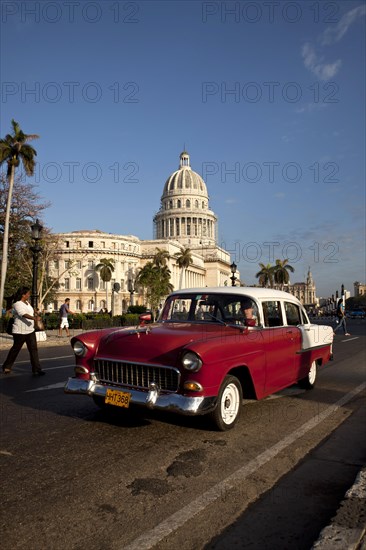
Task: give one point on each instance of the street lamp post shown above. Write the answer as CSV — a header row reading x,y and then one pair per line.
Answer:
x,y
36,249
233,271
131,290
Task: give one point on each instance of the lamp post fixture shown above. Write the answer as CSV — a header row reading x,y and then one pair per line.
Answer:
x,y
233,271
131,290
36,229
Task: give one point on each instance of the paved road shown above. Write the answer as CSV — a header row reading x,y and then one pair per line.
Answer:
x,y
73,476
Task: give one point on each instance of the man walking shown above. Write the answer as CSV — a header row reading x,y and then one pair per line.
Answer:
x,y
64,320
341,314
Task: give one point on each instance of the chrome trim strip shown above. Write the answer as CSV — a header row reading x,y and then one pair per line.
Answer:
x,y
321,346
172,402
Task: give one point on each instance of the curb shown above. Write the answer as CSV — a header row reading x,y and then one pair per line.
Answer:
x,y
348,527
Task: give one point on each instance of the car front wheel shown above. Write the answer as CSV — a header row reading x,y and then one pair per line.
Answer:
x,y
229,403
308,382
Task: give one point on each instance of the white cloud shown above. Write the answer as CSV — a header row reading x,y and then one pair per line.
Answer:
x,y
231,201
334,34
316,64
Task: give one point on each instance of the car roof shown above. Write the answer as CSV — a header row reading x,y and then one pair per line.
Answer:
x,y
256,293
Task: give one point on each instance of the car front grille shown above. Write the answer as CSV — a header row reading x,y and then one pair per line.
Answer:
x,y
136,375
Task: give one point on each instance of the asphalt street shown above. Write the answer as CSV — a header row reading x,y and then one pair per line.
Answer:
x,y
74,476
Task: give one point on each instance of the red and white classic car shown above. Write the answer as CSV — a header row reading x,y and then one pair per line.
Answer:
x,y
209,348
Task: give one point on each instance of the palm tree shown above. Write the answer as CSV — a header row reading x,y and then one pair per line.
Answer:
x,y
281,272
160,257
266,275
156,281
106,268
184,260
14,149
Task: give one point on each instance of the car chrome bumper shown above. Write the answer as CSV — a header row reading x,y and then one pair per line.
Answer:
x,y
151,399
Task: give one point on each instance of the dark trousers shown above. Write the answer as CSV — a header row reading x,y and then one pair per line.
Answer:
x,y
19,339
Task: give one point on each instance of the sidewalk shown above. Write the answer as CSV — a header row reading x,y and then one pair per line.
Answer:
x,y
52,339
347,530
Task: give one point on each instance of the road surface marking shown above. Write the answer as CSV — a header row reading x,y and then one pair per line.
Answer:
x,y
46,359
175,521
350,339
50,387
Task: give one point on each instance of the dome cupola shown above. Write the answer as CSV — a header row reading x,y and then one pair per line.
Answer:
x,y
184,214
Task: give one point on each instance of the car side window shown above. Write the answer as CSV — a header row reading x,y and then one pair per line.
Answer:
x,y
272,314
304,317
292,314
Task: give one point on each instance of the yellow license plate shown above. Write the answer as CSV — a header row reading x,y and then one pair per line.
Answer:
x,y
117,398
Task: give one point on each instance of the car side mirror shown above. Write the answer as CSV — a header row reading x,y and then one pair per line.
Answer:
x,y
145,318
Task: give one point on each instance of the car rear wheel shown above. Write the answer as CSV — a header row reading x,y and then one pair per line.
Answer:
x,y
229,403
308,382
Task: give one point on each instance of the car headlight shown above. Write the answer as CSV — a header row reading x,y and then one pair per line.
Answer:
x,y
191,361
79,348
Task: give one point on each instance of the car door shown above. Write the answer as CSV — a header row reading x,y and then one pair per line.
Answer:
x,y
280,342
294,325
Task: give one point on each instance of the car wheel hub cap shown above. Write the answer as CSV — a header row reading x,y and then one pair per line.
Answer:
x,y
230,404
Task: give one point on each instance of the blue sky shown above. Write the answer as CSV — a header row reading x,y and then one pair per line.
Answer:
x,y
268,99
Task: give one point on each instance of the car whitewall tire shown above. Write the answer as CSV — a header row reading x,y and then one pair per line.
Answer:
x,y
229,402
309,381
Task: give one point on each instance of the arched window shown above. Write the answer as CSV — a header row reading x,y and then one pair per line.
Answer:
x,y
78,305
170,204
188,203
196,204
179,203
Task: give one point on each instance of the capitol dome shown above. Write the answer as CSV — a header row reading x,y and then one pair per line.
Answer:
x,y
185,179
184,213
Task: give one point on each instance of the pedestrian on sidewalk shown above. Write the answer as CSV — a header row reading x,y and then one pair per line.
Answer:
x,y
341,315
23,332
64,317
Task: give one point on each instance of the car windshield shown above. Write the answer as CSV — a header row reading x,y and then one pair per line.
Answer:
x,y
208,308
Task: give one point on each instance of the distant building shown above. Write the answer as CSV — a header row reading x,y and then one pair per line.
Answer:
x,y
359,289
183,220
304,291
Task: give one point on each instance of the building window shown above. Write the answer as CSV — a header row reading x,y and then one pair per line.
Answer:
x,y
55,264
102,244
67,244
196,204
90,283
91,305
78,305
67,264
91,244
188,203
179,203
78,244
67,284
78,284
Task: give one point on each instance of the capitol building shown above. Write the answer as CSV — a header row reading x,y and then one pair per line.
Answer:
x,y
183,220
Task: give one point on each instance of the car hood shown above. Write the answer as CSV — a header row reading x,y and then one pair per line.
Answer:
x,y
160,344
